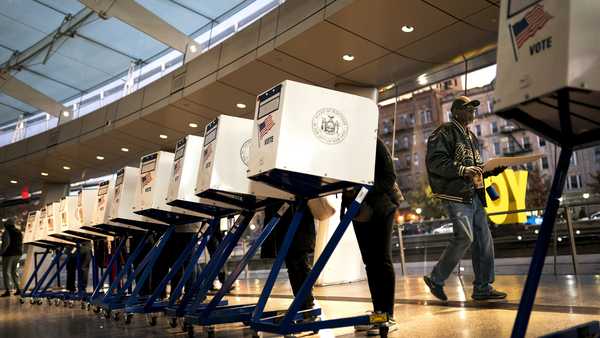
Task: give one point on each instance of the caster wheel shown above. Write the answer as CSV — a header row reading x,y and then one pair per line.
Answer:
x,y
96,309
71,305
116,316
173,322
31,301
383,331
210,331
65,303
39,302
83,307
128,318
107,314
151,320
21,301
255,335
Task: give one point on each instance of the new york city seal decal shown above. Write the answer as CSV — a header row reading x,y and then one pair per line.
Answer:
x,y
245,152
330,126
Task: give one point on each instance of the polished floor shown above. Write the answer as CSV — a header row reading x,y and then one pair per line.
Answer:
x,y
562,301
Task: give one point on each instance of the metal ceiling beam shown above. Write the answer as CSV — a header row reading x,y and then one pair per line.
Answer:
x,y
21,91
137,16
68,28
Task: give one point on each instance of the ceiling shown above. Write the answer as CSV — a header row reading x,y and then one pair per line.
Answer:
x,y
99,51
302,40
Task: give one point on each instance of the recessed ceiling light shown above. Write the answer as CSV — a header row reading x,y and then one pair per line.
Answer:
x,y
44,174
193,48
13,182
66,167
193,125
100,157
163,136
65,113
240,105
407,29
124,150
348,57
422,79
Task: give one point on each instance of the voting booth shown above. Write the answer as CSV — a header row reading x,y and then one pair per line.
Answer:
x,y
31,227
156,170
311,141
65,218
41,234
547,58
76,211
127,184
186,165
224,163
53,224
548,80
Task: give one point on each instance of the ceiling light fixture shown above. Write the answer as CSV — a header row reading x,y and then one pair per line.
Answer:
x,y
193,48
65,113
13,182
193,125
422,79
348,57
124,150
240,105
66,167
407,29
163,136
44,174
100,157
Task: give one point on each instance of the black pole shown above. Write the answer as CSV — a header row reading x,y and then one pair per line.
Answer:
x,y
546,229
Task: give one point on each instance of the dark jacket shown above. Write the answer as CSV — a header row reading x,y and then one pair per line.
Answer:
x,y
450,149
12,242
382,198
304,240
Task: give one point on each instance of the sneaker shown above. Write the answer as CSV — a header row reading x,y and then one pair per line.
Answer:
x,y
17,293
5,294
364,327
436,290
391,326
492,294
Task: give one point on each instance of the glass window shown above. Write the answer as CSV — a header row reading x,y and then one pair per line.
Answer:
x,y
478,130
541,141
544,162
574,182
526,143
426,117
494,127
497,150
574,158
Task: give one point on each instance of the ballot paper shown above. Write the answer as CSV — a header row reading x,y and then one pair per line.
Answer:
x,y
509,161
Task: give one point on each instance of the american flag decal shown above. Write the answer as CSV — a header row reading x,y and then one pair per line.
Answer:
x,y
265,126
533,21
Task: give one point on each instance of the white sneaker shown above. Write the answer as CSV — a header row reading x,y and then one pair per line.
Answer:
x,y
390,324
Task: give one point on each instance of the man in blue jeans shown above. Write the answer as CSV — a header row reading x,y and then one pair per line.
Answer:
x,y
454,167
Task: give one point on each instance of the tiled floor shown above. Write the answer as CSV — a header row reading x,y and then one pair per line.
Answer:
x,y
562,302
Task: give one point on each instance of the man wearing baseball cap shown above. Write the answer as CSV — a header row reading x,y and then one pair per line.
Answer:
x,y
454,167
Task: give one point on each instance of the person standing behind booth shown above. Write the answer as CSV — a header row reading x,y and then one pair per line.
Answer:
x,y
373,226
454,167
298,259
11,250
85,257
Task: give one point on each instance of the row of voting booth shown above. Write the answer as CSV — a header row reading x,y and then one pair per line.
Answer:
x,y
304,142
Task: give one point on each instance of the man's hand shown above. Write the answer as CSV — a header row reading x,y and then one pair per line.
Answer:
x,y
472,171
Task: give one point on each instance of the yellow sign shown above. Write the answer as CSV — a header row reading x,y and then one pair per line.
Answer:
x,y
511,187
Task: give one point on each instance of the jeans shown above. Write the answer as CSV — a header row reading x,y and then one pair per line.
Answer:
x,y
471,229
375,242
9,271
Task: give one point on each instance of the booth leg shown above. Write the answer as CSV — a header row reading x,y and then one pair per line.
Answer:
x,y
109,268
127,266
243,263
37,265
541,245
285,246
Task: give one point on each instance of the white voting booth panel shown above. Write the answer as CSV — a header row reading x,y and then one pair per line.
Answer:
x,y
156,170
100,221
127,184
545,47
76,211
31,226
41,234
53,219
186,165
310,140
224,163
